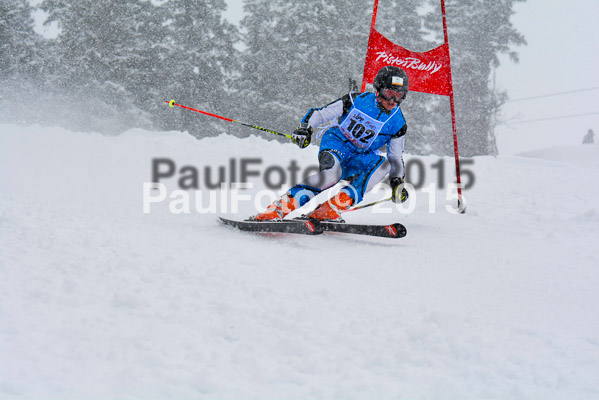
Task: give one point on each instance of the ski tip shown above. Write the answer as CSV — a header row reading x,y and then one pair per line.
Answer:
x,y
398,230
225,221
171,103
394,231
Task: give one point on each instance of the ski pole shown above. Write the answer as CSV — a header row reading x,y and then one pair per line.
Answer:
x,y
366,205
173,104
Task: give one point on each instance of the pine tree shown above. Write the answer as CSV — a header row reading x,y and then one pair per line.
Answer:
x,y
18,41
299,55
200,61
103,59
22,67
402,22
479,30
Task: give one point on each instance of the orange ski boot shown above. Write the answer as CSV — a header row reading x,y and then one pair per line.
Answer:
x,y
277,210
331,210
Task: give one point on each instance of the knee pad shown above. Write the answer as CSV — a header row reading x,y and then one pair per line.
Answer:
x,y
326,160
328,175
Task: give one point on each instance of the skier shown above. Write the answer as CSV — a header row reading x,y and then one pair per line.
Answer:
x,y
589,137
349,149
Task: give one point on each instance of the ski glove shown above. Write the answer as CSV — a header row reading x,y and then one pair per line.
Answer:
x,y
302,135
399,192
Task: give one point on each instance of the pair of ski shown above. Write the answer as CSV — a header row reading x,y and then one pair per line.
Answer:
x,y
315,227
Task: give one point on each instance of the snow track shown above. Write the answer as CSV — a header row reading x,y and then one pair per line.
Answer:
x,y
99,300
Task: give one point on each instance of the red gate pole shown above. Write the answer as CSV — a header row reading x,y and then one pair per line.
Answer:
x,y
372,24
461,206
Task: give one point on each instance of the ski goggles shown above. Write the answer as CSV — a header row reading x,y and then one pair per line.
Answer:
x,y
390,94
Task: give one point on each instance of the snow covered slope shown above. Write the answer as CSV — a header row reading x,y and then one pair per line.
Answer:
x,y
102,301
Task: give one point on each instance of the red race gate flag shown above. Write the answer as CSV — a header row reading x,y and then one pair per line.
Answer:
x,y
428,72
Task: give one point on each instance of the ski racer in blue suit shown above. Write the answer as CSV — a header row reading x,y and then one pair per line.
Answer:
x,y
350,148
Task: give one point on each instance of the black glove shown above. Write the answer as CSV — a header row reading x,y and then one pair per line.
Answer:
x,y
302,135
399,192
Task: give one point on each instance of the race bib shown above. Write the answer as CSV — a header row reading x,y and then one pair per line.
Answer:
x,y
360,128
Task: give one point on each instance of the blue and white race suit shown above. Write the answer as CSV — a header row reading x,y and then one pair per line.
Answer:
x,y
361,128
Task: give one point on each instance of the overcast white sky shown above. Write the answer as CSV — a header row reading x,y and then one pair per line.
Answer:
x,y
562,55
